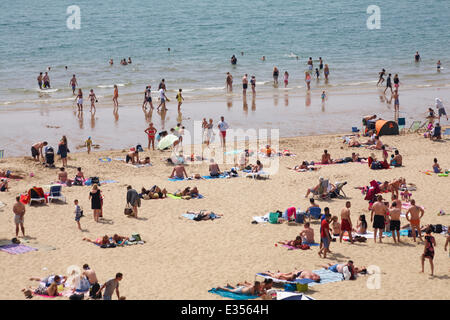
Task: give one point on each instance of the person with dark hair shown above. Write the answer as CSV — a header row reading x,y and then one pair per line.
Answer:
x,y
325,236
326,158
361,226
36,150
413,215
346,222
246,290
394,216
378,216
110,286
92,278
428,251
133,200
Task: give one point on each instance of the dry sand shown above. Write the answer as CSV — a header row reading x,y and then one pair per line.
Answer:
x,y
183,259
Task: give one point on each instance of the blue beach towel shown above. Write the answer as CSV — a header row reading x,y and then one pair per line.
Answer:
x,y
327,276
231,295
403,232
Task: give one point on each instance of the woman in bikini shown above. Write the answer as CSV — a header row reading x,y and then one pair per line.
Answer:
x,y
308,79
151,132
79,100
93,99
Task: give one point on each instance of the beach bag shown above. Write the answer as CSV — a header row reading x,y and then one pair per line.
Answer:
x,y
300,217
136,237
438,228
128,210
77,181
95,180
273,217
76,296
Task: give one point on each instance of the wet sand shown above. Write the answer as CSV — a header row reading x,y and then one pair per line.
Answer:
x,y
291,111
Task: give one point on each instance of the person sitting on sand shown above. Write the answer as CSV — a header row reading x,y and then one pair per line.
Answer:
x,y
257,167
377,145
4,185
335,226
214,170
133,156
8,174
307,234
326,158
436,167
353,142
79,176
100,241
348,270
297,243
178,172
372,138
357,158
397,161
62,176
250,291
292,276
312,205
361,225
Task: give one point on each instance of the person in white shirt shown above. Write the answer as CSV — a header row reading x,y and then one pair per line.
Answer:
x,y
162,96
223,126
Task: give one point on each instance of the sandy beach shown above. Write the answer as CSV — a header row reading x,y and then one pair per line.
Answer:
x,y
183,259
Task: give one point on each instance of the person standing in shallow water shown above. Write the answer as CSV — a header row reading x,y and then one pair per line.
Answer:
x,y
116,97
275,75
229,82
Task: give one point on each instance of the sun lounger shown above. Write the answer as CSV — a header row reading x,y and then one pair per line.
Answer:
x,y
37,195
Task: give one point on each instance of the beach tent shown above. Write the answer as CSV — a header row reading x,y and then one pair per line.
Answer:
x,y
167,141
384,127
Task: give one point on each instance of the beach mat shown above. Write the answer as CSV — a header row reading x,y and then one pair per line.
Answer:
x,y
178,197
403,233
302,281
326,276
222,176
231,295
16,248
367,235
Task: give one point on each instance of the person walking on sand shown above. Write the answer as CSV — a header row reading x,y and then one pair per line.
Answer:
x,y
223,126
96,202
229,82
381,77
79,100
346,222
377,215
151,132
244,84
428,251
163,98
180,99
78,213
19,212
286,79
93,99
394,216
308,80
110,286
413,215
116,97
73,83
325,236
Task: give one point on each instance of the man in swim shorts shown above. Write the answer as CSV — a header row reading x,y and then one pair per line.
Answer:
x,y
223,126
377,215
346,222
413,215
19,212
244,84
253,291
39,80
36,150
229,82
73,82
394,216
325,235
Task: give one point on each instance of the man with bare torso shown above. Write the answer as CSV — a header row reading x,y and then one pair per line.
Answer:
x,y
19,212
307,234
229,82
36,150
377,215
394,215
326,158
179,172
413,215
346,222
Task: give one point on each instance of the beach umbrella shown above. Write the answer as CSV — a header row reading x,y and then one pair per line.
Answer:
x,y
167,141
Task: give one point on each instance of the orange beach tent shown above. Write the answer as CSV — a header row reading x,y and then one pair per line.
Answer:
x,y
384,127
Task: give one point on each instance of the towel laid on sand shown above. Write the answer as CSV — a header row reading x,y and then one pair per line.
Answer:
x,y
326,276
367,235
231,295
178,197
16,248
191,216
302,281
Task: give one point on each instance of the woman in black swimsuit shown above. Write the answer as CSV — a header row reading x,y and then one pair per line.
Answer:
x,y
96,201
428,252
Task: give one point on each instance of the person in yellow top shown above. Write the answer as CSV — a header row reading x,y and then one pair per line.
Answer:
x,y
180,99
88,145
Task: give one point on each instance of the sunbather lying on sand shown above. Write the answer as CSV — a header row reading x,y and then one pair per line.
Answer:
x,y
9,174
291,276
100,241
253,290
145,161
187,192
120,240
205,215
304,166
297,243
266,285
354,142
51,290
155,192
348,270
59,279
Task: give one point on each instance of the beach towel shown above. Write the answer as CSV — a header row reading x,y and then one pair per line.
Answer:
x,y
231,295
261,219
140,165
233,152
403,233
294,248
327,276
191,216
179,179
367,235
16,248
45,296
222,176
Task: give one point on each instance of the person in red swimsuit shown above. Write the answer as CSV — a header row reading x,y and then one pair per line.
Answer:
x,y
151,132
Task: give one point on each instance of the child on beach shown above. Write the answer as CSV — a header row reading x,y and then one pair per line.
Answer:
x,y
78,213
286,78
436,167
180,99
116,97
88,144
323,96
335,226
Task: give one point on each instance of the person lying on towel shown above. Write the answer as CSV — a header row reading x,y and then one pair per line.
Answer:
x,y
253,290
348,270
292,276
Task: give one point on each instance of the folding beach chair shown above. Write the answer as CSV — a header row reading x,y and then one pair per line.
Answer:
x,y
2,154
401,124
315,213
338,192
322,190
414,126
55,193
